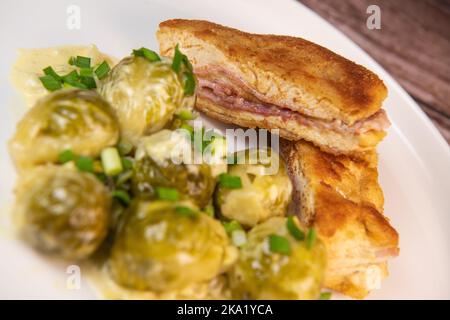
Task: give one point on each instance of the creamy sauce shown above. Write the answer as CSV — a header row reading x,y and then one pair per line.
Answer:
x,y
28,67
106,288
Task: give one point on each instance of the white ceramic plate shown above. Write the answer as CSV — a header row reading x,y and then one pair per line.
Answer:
x,y
414,158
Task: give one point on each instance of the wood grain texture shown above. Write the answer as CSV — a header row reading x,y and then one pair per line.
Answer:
x,y
413,45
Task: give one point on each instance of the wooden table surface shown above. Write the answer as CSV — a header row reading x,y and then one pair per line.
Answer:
x,y
413,45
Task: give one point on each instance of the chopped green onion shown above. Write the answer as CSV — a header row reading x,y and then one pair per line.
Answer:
x,y
230,182
177,59
150,55
188,128
231,226
124,177
122,196
102,70
127,163
50,83
325,296
186,114
82,62
311,238
167,194
112,163
50,72
239,238
279,244
125,147
66,156
72,61
71,76
293,229
102,177
86,72
89,82
186,211
85,164
189,84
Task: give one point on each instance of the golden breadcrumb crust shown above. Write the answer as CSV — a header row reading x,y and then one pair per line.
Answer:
x,y
342,199
290,72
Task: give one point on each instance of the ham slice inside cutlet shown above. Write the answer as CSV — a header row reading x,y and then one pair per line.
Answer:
x,y
230,92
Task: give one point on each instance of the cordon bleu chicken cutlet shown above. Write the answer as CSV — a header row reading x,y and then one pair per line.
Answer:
x,y
279,82
342,199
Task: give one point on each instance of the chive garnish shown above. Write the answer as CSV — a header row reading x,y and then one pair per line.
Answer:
x,y
185,211
72,76
311,238
102,70
50,72
82,62
325,296
279,244
50,83
186,114
189,84
177,59
85,164
150,55
231,226
86,72
66,156
167,194
89,82
111,161
122,196
230,182
293,229
127,163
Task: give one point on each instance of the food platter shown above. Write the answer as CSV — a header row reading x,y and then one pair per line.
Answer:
x,y
414,163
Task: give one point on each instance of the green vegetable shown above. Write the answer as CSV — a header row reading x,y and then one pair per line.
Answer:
x,y
127,163
186,114
229,181
125,147
156,248
81,62
183,210
293,229
111,161
50,72
279,244
239,238
64,212
123,177
325,296
311,238
150,55
122,196
86,72
50,83
167,194
85,164
189,84
102,70
89,82
66,156
231,226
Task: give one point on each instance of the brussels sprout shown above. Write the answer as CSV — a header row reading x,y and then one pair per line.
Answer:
x,y
156,165
263,273
144,94
63,211
266,188
65,119
164,246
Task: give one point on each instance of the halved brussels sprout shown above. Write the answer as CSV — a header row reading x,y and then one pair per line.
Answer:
x,y
266,188
144,94
164,246
62,211
261,273
159,163
79,120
